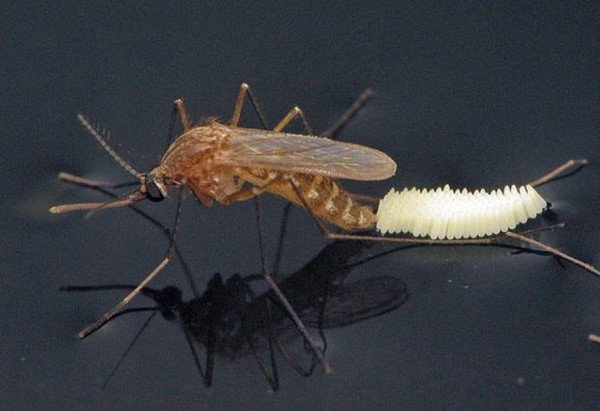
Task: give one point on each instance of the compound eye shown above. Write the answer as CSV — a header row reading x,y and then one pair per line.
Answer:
x,y
153,193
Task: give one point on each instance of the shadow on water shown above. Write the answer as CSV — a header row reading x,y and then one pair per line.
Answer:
x,y
230,320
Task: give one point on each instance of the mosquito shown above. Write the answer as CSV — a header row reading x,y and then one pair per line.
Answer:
x,y
227,163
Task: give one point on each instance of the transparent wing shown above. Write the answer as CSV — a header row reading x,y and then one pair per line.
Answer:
x,y
306,154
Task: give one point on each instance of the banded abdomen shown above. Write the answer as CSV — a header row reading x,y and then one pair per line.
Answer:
x,y
326,198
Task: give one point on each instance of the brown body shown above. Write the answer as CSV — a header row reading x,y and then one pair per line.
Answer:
x,y
325,197
201,159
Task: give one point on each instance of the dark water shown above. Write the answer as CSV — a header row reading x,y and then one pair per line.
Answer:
x,y
471,95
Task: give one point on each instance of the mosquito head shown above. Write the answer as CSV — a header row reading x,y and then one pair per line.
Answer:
x,y
153,186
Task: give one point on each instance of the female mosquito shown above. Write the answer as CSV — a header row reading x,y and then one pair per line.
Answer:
x,y
227,163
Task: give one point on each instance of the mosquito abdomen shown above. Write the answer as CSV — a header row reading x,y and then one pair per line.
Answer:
x,y
329,201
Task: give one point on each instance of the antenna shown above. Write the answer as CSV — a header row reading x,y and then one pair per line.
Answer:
x,y
98,136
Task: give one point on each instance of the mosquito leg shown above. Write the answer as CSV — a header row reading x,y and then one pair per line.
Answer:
x,y
295,112
245,89
282,231
210,359
281,296
177,110
99,186
333,130
337,127
171,130
480,241
556,173
179,107
111,313
244,195
555,252
239,104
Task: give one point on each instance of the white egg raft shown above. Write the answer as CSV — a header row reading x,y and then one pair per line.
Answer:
x,y
454,214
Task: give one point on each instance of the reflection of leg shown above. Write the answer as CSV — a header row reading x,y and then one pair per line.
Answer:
x,y
555,174
271,375
210,358
292,363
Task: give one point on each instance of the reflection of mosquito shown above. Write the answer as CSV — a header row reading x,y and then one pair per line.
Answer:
x,y
216,163
229,320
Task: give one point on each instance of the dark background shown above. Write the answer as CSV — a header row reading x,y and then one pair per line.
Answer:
x,y
476,94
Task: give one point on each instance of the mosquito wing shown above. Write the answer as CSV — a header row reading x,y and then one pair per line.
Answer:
x,y
307,155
